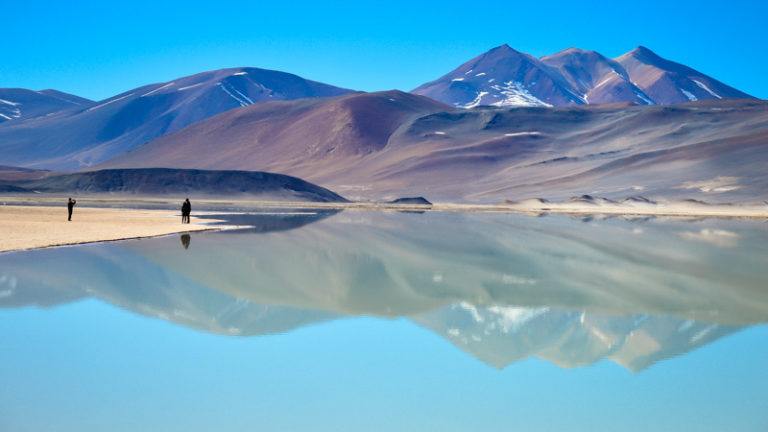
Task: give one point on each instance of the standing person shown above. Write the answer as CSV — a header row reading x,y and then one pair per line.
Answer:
x,y
70,205
186,209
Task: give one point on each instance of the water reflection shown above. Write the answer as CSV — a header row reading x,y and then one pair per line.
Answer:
x,y
500,287
185,239
501,335
269,220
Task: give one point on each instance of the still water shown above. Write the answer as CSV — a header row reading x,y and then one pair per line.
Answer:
x,y
377,321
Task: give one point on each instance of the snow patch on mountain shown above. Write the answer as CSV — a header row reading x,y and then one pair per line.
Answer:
x,y
243,100
475,102
512,278
190,86
249,100
157,89
110,102
607,78
11,110
689,95
707,89
515,94
643,97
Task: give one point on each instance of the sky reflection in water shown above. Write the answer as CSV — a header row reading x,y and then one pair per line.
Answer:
x,y
506,289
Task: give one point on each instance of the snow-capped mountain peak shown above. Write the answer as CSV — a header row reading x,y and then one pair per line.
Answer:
x,y
504,76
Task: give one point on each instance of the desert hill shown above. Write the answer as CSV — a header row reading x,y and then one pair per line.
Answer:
x,y
164,181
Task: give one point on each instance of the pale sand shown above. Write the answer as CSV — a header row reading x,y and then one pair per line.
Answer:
x,y
30,227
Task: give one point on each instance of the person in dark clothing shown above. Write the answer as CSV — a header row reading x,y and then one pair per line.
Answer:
x,y
186,209
70,205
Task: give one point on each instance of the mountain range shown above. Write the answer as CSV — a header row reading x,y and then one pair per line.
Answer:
x,y
504,125
506,77
80,135
390,144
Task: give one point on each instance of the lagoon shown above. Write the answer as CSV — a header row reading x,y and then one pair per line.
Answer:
x,y
369,320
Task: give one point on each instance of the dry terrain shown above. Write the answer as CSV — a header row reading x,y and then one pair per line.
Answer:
x,y
30,227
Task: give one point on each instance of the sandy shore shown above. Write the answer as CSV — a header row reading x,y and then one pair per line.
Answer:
x,y
528,206
31,222
30,227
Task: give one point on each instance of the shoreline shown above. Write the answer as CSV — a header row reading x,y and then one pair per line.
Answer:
x,y
718,211
529,206
39,227
28,223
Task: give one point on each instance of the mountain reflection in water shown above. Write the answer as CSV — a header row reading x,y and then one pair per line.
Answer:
x,y
500,287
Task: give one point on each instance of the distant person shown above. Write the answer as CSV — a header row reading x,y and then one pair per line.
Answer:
x,y
186,209
185,239
70,205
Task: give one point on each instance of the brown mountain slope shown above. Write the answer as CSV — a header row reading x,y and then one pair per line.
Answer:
x,y
667,82
316,136
599,79
385,145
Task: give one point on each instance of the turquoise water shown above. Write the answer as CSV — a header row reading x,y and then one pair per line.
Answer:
x,y
392,321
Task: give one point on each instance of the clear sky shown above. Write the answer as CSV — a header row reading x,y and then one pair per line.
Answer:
x,y
101,48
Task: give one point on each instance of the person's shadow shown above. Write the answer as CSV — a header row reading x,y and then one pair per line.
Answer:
x,y
185,239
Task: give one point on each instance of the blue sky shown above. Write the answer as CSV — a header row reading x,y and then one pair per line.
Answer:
x,y
98,49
